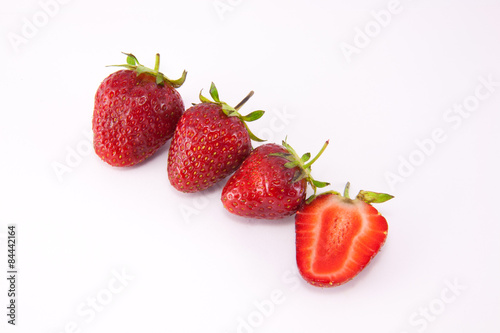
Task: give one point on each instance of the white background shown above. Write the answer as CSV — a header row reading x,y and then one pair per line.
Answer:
x,y
193,267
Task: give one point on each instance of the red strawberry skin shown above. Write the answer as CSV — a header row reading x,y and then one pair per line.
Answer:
x,y
133,117
206,148
336,238
263,187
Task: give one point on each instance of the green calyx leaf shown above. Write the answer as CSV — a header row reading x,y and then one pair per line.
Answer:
x,y
286,156
251,135
373,197
253,116
320,184
233,112
214,93
203,99
161,79
305,157
290,165
228,110
131,59
305,168
368,196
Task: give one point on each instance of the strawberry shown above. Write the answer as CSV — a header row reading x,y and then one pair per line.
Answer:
x,y
336,237
135,113
210,142
271,183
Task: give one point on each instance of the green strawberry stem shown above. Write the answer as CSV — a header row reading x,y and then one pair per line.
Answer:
x,y
157,63
346,190
305,168
365,196
135,65
368,196
233,112
318,155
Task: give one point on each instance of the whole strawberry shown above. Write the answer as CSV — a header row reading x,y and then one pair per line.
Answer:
x,y
135,113
336,236
210,142
271,183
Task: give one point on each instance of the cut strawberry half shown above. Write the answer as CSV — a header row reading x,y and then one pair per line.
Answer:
x,y
336,237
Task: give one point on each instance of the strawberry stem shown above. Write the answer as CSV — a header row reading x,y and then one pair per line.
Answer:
x,y
305,169
318,155
157,63
243,101
233,112
346,190
133,64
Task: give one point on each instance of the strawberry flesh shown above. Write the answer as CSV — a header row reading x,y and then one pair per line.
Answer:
x,y
336,237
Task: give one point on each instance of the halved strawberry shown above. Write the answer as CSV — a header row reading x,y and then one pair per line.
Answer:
x,y
336,237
